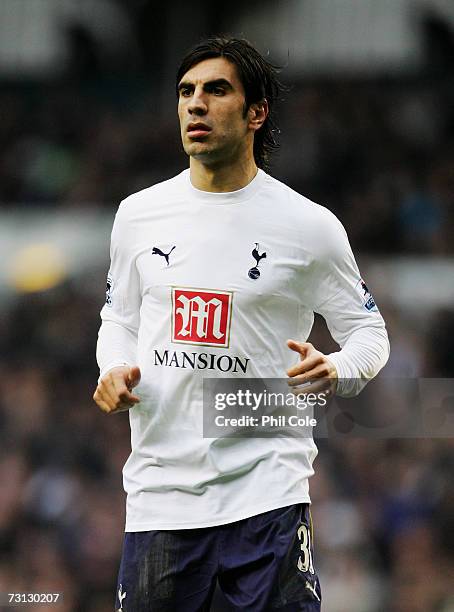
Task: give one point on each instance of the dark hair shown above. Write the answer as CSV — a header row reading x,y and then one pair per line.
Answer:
x,y
259,79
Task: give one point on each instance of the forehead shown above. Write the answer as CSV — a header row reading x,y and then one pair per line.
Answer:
x,y
213,69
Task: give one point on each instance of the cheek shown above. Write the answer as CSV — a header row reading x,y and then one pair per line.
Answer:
x,y
180,112
233,126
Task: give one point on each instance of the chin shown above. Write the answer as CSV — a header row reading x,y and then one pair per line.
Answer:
x,y
200,151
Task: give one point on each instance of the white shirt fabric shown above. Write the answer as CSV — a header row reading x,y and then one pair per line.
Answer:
x,y
175,478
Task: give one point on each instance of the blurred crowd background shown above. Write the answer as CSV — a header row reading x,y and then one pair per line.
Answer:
x,y
88,116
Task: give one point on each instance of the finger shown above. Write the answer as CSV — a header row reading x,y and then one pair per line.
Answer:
x,y
118,391
134,377
109,409
103,399
319,371
99,395
322,385
123,407
108,406
107,388
111,395
305,365
104,406
300,347
122,392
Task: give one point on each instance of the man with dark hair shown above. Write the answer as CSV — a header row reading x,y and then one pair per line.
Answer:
x,y
258,78
211,271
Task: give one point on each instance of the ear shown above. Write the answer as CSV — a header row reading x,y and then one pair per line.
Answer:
x,y
257,114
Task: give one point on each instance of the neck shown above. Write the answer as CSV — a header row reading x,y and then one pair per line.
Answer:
x,y
228,176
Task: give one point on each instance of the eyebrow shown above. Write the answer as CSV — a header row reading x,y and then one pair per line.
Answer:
x,y
208,84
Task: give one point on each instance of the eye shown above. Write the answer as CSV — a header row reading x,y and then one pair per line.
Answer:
x,y
185,92
218,91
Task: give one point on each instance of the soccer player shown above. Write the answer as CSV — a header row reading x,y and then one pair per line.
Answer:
x,y
211,272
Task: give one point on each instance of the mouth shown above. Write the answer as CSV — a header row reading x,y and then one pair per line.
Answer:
x,y
198,130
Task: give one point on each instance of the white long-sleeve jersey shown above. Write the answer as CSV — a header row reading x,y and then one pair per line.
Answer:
x,y
190,295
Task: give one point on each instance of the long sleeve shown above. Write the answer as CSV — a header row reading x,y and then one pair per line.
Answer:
x,y
351,314
120,315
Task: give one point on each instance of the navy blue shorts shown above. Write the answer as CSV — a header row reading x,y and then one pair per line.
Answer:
x,y
261,563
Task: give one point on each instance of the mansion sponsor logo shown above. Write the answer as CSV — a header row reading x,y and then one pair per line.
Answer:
x,y
200,361
201,317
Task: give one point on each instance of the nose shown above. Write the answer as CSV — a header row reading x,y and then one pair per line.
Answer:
x,y
197,104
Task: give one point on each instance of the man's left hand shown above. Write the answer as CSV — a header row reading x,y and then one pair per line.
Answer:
x,y
313,365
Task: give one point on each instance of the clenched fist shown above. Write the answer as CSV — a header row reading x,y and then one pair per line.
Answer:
x,y
113,393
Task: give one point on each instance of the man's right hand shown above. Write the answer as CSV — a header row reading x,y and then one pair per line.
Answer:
x,y
113,393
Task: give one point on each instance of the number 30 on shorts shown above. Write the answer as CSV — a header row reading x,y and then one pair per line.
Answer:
x,y
305,559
